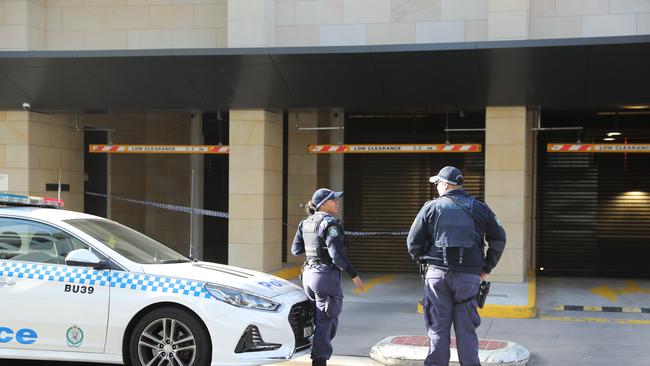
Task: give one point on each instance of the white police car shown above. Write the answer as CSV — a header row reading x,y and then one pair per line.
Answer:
x,y
78,287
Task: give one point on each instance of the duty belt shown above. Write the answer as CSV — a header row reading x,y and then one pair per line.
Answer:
x,y
432,261
312,261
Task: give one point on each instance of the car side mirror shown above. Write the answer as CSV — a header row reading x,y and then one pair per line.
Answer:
x,y
84,258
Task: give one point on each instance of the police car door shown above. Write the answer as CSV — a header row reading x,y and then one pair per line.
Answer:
x,y
44,303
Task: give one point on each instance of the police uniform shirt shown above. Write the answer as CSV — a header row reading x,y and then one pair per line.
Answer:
x,y
331,231
420,243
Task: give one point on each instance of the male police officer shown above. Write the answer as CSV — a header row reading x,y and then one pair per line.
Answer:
x,y
448,234
320,237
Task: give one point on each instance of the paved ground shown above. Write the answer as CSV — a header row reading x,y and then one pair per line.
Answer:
x,y
593,292
593,339
550,342
554,339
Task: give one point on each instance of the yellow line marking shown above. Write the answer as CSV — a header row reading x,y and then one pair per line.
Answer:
x,y
606,292
374,282
596,320
510,311
288,273
612,294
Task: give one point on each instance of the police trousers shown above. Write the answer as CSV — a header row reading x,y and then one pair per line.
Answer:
x,y
450,299
322,284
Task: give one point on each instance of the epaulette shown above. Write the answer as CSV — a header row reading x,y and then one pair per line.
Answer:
x,y
331,219
429,201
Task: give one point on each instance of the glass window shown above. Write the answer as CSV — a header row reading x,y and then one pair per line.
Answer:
x,y
29,241
129,243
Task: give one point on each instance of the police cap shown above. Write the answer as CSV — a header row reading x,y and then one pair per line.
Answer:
x,y
324,194
450,175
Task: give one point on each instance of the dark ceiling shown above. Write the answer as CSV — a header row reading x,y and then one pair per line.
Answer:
x,y
584,73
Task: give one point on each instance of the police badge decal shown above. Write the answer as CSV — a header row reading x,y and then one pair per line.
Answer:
x,y
74,336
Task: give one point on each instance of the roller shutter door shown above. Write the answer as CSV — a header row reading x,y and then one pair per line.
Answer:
x,y
215,191
593,214
384,192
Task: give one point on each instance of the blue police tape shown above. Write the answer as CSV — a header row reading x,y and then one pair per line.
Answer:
x,y
164,206
224,215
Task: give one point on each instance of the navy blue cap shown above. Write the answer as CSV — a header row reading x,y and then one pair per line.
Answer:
x,y
449,174
324,194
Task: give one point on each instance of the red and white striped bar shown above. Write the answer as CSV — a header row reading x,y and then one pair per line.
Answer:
x,y
570,148
394,149
158,149
599,148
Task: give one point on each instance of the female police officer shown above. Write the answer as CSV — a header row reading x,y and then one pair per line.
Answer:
x,y
320,237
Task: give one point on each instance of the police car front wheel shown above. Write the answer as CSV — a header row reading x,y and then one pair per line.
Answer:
x,y
171,337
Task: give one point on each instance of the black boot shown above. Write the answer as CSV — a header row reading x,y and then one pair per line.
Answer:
x,y
318,362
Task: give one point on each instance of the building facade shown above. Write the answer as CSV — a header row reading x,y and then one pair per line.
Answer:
x,y
266,76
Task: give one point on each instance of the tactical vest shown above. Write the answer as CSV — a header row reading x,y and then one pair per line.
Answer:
x,y
315,246
454,227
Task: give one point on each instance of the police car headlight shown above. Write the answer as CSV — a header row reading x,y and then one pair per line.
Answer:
x,y
241,299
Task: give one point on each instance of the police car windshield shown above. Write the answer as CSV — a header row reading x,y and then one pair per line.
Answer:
x,y
129,243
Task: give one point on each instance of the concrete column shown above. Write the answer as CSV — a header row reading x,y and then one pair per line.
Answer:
x,y
251,23
330,166
508,185
508,20
309,172
34,147
22,25
302,177
336,161
255,185
14,151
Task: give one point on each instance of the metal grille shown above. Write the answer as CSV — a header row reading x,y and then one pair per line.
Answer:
x,y
251,341
593,214
385,192
215,192
301,317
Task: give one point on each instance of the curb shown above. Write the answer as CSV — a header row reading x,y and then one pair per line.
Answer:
x,y
509,311
602,309
412,350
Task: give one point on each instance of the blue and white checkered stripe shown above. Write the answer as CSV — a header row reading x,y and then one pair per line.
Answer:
x,y
150,283
90,277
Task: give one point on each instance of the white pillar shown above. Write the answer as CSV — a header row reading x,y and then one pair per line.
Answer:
x,y
336,161
508,185
255,190
302,177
